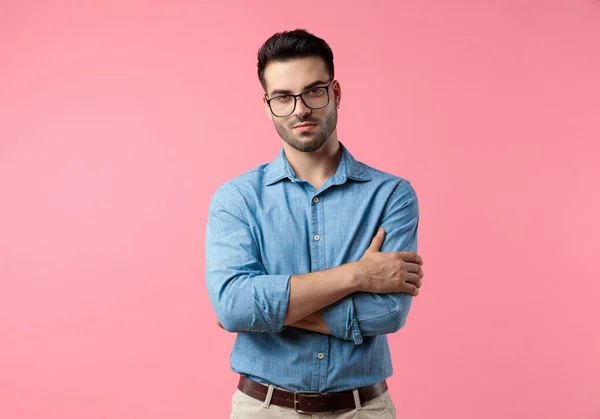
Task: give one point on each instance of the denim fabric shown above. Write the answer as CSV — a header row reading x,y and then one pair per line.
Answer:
x,y
265,226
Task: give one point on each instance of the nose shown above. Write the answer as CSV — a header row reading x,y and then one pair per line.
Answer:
x,y
301,108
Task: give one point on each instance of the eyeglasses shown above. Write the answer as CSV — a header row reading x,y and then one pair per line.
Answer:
x,y
313,98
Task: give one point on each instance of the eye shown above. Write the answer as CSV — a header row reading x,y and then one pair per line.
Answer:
x,y
281,99
317,91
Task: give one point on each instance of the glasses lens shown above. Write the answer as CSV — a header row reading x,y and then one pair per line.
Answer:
x,y
282,105
316,98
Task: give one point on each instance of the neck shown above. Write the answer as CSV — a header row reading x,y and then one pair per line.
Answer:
x,y
318,166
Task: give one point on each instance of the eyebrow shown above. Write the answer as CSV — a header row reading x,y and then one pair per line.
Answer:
x,y
287,92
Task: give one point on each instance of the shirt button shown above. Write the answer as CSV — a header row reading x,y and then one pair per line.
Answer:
x,y
316,200
320,355
317,237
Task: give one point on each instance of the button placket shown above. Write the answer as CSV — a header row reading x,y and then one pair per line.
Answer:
x,y
319,262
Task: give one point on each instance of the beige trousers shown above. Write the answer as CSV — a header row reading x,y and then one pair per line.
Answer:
x,y
246,407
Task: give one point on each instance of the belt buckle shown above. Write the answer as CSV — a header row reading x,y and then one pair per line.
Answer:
x,y
305,393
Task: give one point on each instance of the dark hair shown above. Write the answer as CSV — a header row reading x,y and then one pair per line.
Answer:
x,y
288,45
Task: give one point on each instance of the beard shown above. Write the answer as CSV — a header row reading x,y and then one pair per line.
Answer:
x,y
310,141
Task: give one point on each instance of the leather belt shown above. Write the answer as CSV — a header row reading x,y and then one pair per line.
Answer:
x,y
311,401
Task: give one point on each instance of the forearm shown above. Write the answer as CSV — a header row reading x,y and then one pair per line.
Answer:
x,y
353,316
385,319
261,303
313,322
311,292
376,314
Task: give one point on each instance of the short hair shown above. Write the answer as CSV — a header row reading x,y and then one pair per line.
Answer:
x,y
289,45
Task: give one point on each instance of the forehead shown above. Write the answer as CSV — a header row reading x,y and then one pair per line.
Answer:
x,y
295,74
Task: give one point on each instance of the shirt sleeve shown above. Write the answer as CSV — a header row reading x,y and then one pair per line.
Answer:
x,y
369,314
244,296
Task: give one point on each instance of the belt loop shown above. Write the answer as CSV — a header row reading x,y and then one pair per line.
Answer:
x,y
356,399
267,402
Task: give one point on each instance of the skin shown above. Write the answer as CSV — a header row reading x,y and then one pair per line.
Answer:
x,y
314,155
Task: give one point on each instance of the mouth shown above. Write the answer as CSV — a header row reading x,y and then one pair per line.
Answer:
x,y
305,126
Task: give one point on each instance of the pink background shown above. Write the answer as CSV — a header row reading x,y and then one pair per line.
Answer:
x,y
118,119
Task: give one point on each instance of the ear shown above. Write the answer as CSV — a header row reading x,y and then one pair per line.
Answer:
x,y
337,93
267,109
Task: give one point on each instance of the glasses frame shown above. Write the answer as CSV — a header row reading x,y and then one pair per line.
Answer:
x,y
299,95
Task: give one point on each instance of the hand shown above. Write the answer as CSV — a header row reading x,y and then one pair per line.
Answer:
x,y
219,324
389,272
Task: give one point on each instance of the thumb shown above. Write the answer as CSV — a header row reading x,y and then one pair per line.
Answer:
x,y
377,240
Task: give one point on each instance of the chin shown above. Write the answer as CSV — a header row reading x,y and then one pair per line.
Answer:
x,y
311,146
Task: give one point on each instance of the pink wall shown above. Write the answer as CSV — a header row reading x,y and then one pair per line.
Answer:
x,y
118,119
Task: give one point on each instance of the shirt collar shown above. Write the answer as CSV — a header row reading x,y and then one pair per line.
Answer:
x,y
349,168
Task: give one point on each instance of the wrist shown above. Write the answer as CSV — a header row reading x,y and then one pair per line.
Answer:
x,y
356,280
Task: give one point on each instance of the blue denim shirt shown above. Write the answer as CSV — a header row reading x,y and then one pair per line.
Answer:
x,y
265,226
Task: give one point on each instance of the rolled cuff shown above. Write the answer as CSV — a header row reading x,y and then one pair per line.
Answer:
x,y
341,320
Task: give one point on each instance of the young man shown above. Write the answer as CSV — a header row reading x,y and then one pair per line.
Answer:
x,y
311,259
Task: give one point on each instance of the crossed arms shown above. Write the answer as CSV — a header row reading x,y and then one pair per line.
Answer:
x,y
368,297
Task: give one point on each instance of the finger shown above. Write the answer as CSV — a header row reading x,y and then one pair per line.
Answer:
x,y
412,257
415,269
414,279
377,241
412,290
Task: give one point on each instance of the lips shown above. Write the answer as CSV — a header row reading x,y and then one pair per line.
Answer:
x,y
305,125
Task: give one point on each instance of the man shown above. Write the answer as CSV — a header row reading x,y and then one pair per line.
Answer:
x,y
311,259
